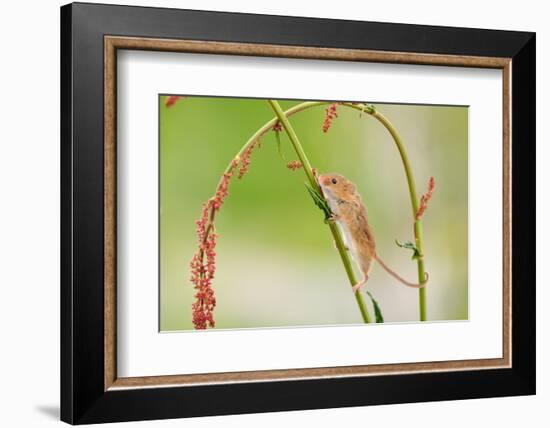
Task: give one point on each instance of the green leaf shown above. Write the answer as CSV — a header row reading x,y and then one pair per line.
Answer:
x,y
319,201
409,246
369,108
279,145
377,310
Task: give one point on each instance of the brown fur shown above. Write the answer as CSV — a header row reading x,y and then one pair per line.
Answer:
x,y
351,213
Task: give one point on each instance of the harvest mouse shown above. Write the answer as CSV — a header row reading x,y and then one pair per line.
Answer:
x,y
350,214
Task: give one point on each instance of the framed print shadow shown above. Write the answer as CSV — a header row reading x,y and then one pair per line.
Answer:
x,y
252,220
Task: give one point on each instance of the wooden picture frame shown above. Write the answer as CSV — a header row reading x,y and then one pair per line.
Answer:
x,y
91,391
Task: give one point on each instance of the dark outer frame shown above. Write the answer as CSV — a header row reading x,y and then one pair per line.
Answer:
x,y
84,398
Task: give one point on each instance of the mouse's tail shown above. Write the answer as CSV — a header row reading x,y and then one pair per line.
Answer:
x,y
399,278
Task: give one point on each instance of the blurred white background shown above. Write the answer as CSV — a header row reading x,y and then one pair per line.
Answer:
x,y
29,218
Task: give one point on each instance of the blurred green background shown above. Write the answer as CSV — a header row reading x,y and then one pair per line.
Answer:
x,y
276,263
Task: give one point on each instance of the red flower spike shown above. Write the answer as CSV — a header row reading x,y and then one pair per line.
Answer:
x,y
294,165
245,160
330,115
203,263
426,198
171,100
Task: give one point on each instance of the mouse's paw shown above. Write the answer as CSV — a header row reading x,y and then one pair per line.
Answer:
x,y
333,218
336,246
359,285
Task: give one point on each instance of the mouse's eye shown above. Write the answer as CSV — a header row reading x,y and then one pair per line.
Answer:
x,y
334,181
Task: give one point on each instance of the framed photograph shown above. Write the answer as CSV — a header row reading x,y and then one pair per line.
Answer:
x,y
266,213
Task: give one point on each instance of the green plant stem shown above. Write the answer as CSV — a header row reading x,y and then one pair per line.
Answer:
x,y
269,126
255,137
414,205
410,181
421,269
313,182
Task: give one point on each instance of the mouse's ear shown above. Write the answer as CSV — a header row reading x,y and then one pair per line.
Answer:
x,y
351,187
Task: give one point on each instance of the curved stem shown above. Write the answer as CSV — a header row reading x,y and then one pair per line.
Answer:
x,y
414,205
313,182
337,236
295,142
269,126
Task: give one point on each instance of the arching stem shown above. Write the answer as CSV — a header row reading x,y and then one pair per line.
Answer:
x,y
313,183
363,108
414,205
